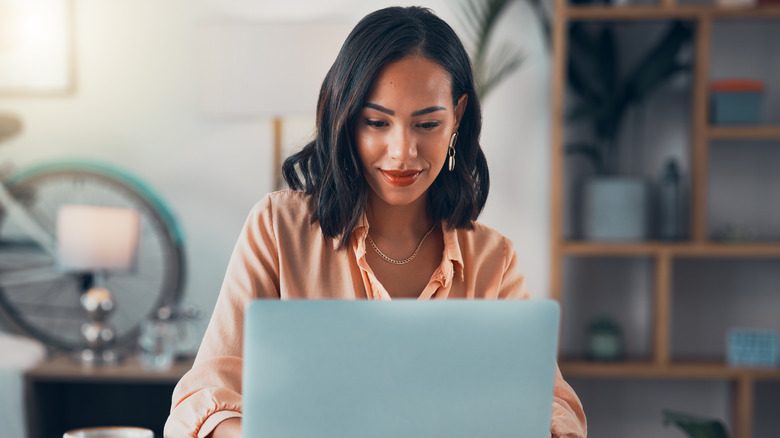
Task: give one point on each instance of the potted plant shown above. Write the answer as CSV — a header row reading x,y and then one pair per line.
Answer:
x,y
614,204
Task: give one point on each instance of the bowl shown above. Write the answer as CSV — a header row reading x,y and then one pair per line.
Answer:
x,y
109,432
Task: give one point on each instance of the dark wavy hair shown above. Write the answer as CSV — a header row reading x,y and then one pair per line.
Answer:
x,y
329,168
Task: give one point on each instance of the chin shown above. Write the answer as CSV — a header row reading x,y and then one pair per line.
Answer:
x,y
399,200
398,196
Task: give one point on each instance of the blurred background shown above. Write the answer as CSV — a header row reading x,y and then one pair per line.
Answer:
x,y
137,102
672,109
183,95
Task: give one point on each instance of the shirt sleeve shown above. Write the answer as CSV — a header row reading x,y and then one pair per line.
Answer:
x,y
211,391
568,416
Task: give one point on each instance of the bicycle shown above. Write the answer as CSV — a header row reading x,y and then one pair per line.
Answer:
x,y
42,301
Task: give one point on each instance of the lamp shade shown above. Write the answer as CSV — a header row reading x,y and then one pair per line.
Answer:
x,y
91,238
265,69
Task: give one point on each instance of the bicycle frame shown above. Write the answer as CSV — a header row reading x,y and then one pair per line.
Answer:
x,y
16,212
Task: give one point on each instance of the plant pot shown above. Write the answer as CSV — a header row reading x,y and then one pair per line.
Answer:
x,y
615,209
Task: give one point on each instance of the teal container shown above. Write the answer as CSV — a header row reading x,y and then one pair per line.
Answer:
x,y
736,107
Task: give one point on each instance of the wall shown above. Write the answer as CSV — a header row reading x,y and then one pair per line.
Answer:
x,y
136,106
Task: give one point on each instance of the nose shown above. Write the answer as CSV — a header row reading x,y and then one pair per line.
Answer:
x,y
402,146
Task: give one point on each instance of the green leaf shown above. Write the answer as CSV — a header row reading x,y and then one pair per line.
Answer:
x,y
581,86
479,17
544,21
582,111
609,60
584,64
506,60
593,74
590,151
660,63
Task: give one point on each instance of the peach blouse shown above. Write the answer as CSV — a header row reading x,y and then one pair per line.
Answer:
x,y
281,255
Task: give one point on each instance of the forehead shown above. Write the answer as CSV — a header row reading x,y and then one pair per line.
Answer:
x,y
412,79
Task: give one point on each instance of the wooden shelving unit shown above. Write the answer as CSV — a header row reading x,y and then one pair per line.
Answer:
x,y
661,365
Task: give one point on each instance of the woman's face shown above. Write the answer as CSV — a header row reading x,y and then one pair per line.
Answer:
x,y
404,129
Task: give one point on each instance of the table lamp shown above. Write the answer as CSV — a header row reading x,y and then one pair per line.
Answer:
x,y
93,241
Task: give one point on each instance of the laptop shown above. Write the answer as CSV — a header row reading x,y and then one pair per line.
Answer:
x,y
402,368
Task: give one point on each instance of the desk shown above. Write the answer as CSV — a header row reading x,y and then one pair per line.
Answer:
x,y
62,395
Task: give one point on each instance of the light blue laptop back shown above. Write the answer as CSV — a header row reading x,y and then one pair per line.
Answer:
x,y
403,368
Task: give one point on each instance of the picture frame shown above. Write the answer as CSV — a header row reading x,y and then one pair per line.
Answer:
x,y
37,53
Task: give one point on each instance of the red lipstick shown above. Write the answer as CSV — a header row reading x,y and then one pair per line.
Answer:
x,y
400,178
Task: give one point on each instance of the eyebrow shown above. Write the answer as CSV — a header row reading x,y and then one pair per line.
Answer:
x,y
414,114
431,109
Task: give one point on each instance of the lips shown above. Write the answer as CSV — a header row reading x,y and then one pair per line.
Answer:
x,y
400,178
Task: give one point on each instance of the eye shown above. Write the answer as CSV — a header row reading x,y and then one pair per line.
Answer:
x,y
374,123
428,125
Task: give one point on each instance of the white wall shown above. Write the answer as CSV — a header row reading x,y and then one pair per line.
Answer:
x,y
136,106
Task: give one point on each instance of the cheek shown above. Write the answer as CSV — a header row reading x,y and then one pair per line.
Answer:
x,y
439,146
371,145
364,146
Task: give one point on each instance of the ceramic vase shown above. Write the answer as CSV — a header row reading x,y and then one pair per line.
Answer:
x,y
615,209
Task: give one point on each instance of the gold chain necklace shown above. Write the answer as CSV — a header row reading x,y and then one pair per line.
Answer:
x,y
396,261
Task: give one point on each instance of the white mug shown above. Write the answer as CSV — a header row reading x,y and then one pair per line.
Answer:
x,y
109,432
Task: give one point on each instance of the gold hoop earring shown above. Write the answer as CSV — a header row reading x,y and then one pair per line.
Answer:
x,y
451,150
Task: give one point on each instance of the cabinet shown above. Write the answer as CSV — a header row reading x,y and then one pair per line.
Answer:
x,y
62,395
655,296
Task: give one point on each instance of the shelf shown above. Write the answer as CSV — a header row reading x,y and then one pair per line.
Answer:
x,y
681,370
686,249
619,249
744,132
598,13
64,368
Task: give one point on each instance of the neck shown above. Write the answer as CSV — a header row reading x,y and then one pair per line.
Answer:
x,y
399,222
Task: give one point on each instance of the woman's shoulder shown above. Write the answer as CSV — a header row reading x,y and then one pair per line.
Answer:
x,y
284,206
483,237
284,200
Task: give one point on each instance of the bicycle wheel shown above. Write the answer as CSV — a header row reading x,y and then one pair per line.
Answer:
x,y
39,300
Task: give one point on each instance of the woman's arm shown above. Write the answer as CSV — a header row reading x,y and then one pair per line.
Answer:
x,y
230,428
209,395
568,417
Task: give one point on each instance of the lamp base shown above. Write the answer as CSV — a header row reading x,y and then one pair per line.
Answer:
x,y
89,357
97,335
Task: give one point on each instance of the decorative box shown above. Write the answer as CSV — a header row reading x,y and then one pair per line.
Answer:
x,y
736,101
753,348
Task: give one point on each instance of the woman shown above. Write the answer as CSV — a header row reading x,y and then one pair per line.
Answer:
x,y
384,206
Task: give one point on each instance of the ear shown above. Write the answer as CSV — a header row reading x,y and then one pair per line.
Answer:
x,y
460,109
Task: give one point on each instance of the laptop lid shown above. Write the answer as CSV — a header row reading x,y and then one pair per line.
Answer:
x,y
402,368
